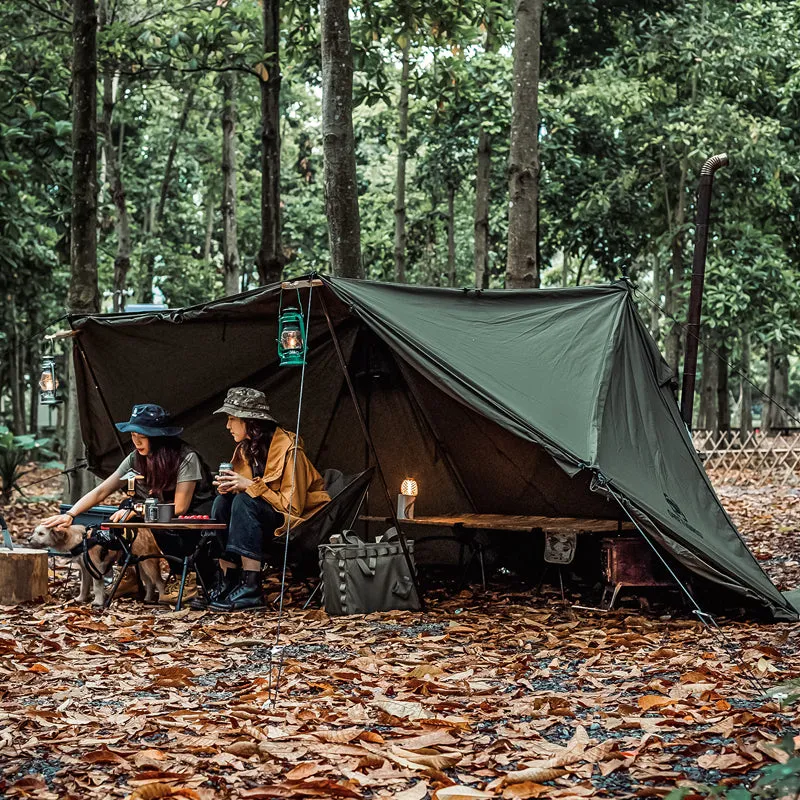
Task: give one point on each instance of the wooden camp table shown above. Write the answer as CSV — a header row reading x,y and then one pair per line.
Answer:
x,y
505,522
176,526
465,528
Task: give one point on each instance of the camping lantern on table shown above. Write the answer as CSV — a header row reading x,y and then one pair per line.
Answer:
x,y
407,498
48,383
291,338
131,476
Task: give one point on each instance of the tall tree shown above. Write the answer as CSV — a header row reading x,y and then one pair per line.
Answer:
x,y
400,184
230,246
341,185
156,215
483,171
522,267
270,258
83,288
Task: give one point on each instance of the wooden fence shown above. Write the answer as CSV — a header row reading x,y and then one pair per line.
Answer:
x,y
757,460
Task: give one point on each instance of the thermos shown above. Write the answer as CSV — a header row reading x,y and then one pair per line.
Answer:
x,y
151,510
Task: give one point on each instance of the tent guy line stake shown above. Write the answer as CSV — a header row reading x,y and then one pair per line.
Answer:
x,y
277,646
371,444
705,618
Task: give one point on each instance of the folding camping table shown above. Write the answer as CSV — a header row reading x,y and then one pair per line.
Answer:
x,y
128,531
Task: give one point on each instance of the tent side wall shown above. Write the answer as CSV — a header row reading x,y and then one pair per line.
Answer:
x,y
646,453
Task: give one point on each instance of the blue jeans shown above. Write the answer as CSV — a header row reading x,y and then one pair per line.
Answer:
x,y
251,524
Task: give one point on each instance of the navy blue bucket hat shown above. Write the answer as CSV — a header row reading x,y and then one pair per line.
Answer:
x,y
149,420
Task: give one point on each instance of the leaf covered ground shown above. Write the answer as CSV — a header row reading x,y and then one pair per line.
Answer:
x,y
496,694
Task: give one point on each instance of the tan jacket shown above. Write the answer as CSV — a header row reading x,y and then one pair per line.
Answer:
x,y
275,486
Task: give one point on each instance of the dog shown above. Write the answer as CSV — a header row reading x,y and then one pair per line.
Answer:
x,y
102,559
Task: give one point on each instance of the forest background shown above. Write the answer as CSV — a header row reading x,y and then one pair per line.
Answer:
x,y
209,117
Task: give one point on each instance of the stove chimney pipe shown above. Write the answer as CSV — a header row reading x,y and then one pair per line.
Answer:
x,y
698,277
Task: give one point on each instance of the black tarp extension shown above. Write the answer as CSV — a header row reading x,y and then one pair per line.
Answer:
x,y
511,402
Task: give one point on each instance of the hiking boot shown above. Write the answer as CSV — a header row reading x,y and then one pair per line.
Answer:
x,y
224,584
170,597
249,594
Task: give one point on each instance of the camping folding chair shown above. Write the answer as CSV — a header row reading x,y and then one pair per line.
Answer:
x,y
339,514
559,550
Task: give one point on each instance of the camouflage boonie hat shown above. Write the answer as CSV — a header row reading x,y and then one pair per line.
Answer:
x,y
246,404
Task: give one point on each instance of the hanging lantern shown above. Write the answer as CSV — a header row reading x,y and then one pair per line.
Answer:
x,y
48,383
291,338
407,498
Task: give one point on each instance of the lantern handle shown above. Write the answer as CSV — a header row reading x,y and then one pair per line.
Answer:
x,y
52,337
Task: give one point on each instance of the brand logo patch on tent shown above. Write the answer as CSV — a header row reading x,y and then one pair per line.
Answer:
x,y
674,510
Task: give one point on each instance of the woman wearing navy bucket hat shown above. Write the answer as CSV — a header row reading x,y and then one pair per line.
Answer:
x,y
171,471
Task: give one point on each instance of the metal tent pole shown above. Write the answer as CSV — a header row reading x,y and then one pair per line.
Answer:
x,y
370,443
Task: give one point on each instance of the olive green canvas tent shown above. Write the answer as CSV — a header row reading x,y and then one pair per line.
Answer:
x,y
539,402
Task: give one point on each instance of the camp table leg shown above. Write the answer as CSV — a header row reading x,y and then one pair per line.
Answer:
x,y
125,564
183,583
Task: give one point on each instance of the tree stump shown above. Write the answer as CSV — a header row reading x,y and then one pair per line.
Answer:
x,y
23,575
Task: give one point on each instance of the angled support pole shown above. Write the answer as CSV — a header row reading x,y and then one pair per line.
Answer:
x,y
365,431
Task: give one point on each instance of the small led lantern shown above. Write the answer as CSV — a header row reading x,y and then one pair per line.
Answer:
x,y
131,476
406,499
291,338
48,383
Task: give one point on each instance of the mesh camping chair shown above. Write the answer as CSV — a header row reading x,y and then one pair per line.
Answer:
x,y
339,514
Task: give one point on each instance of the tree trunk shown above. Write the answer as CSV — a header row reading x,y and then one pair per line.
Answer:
x,y
723,394
482,189
230,247
745,391
209,226
451,235
707,417
157,217
674,291
522,267
122,259
400,184
270,259
341,185
773,416
83,289
483,181
34,358
655,327
15,377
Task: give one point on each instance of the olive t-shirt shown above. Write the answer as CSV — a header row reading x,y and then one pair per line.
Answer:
x,y
189,469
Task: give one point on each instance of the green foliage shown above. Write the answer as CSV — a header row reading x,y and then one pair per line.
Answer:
x,y
776,781
634,96
15,452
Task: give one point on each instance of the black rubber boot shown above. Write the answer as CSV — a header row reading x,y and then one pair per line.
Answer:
x,y
224,584
249,594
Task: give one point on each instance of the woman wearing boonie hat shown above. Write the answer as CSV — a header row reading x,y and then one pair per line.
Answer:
x,y
257,498
171,470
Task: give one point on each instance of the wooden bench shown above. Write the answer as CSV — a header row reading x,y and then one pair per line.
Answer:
x,y
506,522
466,526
